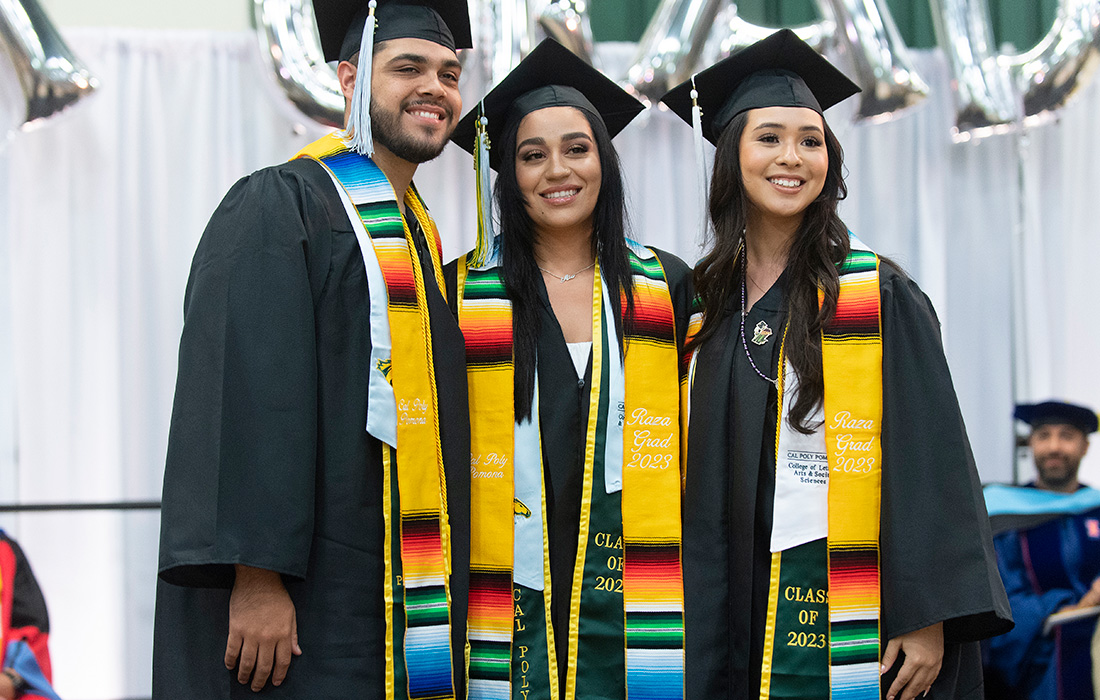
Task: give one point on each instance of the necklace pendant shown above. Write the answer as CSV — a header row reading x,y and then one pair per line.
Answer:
x,y
761,333
566,278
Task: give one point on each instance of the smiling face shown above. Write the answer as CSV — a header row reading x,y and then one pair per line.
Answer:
x,y
558,170
1058,449
415,101
784,162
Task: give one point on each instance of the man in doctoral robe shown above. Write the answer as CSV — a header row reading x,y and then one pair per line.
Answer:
x,y
317,479
1047,536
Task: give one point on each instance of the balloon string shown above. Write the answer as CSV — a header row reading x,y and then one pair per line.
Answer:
x,y
357,133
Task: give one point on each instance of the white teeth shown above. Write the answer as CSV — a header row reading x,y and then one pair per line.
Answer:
x,y
560,194
784,182
427,115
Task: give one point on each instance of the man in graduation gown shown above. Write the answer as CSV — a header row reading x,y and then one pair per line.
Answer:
x,y
1048,550
319,446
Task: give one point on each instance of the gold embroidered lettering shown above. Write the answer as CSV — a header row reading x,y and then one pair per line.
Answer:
x,y
842,420
806,639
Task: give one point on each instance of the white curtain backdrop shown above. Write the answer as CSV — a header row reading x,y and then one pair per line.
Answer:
x,y
100,211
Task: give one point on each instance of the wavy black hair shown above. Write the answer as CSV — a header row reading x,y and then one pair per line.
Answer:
x,y
517,240
820,244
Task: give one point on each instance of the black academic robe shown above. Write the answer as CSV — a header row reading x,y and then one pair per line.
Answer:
x,y
269,463
937,559
563,424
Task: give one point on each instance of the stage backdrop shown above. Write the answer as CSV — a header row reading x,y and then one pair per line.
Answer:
x,y
100,211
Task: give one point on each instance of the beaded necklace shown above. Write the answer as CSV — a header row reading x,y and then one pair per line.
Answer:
x,y
744,313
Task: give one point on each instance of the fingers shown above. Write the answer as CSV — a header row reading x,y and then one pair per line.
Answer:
x,y
890,656
282,663
247,661
265,662
915,678
232,649
297,650
908,670
258,663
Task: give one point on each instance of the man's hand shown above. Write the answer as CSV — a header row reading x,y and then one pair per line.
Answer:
x,y
1091,597
263,630
7,688
1089,600
923,650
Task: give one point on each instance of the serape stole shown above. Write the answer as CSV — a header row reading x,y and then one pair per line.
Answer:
x,y
420,498
647,455
851,440
851,355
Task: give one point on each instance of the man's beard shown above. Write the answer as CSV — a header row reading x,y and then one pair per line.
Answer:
x,y
1057,470
387,131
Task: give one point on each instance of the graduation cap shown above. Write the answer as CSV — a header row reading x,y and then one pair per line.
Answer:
x,y
1057,412
779,71
550,76
347,27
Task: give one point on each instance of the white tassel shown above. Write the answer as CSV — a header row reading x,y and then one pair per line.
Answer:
x,y
700,155
485,234
357,134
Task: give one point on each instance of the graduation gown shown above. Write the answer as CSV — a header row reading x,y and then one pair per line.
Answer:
x,y
937,561
563,423
1046,567
269,463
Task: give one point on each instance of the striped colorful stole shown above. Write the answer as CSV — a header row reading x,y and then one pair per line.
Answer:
x,y
852,367
424,555
652,576
653,590
851,356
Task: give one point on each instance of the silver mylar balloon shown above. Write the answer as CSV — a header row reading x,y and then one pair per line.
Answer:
x,y
672,43
866,33
985,100
50,76
1061,63
503,33
291,48
567,22
731,32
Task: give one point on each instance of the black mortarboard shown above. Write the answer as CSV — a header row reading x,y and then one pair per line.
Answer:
x,y
340,23
1057,412
779,71
550,76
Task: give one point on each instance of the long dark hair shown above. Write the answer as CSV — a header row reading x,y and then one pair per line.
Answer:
x,y
819,245
521,272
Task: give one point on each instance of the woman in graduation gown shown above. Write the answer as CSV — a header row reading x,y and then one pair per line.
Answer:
x,y
835,539
572,335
